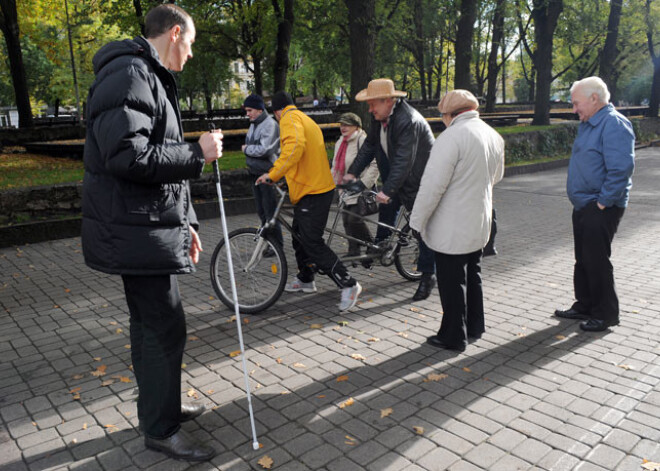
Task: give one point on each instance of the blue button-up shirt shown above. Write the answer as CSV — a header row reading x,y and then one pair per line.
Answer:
x,y
602,161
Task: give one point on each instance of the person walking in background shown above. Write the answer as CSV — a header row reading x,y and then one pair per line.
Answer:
x,y
346,149
304,163
598,185
138,218
261,149
400,140
452,214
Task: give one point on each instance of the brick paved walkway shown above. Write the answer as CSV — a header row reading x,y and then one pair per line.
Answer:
x,y
534,393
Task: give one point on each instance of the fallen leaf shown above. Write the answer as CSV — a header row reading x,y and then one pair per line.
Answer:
x,y
108,382
210,391
112,427
357,356
125,379
403,334
246,320
192,393
74,441
316,326
76,397
385,412
342,378
560,337
467,370
85,426
78,376
414,309
266,462
320,396
635,311
118,331
192,338
418,430
100,371
127,346
113,323
75,390
97,358
34,423
283,393
435,377
373,339
626,367
183,366
235,353
279,360
299,365
343,323
232,319
348,402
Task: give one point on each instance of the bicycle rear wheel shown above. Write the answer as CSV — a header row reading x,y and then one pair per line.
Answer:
x,y
260,277
408,255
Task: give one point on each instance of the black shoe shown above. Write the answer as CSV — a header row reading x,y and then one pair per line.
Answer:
x,y
425,287
434,341
180,446
572,314
597,325
473,338
191,411
488,250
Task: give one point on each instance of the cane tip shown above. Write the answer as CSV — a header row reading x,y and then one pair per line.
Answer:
x,y
255,445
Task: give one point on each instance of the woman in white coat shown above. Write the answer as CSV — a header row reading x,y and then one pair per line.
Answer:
x,y
452,213
346,150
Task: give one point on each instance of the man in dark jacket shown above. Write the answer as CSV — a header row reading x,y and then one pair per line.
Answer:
x,y
400,140
261,149
138,219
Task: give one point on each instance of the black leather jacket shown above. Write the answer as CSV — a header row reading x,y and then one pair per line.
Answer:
x,y
409,142
136,203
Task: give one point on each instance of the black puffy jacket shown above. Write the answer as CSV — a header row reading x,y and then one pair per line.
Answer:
x,y
136,200
409,142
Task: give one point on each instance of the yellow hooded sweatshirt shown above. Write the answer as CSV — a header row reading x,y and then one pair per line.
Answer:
x,y
303,159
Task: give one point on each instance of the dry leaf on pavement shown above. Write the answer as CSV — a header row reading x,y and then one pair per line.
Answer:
x,y
373,339
357,356
467,370
299,365
192,393
342,378
385,412
348,402
435,377
651,466
316,326
418,430
266,462
108,382
100,371
235,353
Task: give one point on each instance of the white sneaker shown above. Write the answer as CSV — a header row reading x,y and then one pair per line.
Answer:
x,y
349,297
296,286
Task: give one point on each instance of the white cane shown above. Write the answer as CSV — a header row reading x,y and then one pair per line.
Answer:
x,y
216,171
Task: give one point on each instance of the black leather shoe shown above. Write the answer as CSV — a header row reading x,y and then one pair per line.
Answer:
x,y
190,411
434,341
597,325
180,446
489,250
425,287
572,314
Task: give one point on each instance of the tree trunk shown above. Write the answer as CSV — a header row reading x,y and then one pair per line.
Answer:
x,y
258,75
493,67
284,30
610,52
503,70
9,27
544,15
140,16
654,102
463,48
362,40
418,41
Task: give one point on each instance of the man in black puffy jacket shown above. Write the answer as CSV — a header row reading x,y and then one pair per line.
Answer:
x,y
138,219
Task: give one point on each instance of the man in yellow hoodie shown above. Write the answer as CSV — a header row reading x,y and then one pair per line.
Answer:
x,y
304,163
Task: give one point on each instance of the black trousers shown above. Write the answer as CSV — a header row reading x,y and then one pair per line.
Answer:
x,y
265,199
355,227
310,216
158,337
593,274
461,296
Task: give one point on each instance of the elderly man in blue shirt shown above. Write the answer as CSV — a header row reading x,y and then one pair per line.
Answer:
x,y
598,185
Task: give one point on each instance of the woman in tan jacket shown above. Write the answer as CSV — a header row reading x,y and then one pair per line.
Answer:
x,y
346,150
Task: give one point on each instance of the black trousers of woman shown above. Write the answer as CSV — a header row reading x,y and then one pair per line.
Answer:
x,y
461,296
158,337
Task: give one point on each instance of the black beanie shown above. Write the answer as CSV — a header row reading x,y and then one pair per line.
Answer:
x,y
281,100
254,101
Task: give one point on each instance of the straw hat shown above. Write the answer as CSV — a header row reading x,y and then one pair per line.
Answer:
x,y
379,88
457,100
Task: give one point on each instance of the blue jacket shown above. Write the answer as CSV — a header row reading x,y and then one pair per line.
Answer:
x,y
602,160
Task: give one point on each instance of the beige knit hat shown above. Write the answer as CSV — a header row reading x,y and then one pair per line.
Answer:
x,y
457,100
379,88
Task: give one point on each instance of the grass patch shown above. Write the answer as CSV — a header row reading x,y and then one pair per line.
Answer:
x,y
538,161
520,128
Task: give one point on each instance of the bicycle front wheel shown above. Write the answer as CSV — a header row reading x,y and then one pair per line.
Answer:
x,y
260,271
408,255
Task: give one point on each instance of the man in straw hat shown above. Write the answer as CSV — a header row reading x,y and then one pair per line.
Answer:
x,y
400,140
453,214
